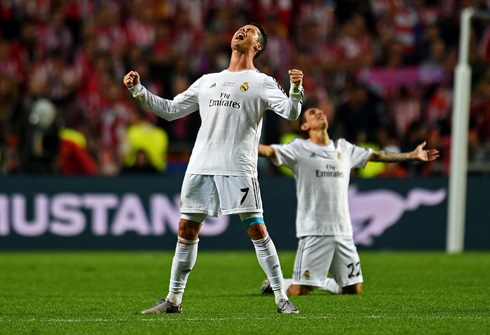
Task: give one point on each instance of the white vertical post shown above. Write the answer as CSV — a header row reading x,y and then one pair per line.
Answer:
x,y
456,212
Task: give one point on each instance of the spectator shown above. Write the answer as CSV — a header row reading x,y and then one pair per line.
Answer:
x,y
437,55
355,44
405,109
39,148
356,114
10,119
73,157
10,64
429,37
55,35
143,136
142,165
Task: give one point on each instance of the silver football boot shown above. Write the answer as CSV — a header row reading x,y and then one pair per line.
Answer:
x,y
163,306
286,307
266,287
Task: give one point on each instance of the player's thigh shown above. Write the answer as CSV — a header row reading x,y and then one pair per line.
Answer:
x,y
346,264
238,194
199,195
313,259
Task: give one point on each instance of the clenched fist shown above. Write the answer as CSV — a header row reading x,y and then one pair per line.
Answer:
x,y
131,79
296,77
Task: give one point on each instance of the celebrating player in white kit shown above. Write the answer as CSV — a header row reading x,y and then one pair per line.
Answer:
x,y
322,169
222,171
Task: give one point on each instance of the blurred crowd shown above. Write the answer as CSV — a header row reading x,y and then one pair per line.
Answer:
x,y
382,71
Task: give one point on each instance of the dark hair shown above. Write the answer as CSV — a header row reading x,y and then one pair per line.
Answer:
x,y
262,38
302,118
302,121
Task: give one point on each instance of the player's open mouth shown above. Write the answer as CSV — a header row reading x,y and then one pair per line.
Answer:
x,y
240,36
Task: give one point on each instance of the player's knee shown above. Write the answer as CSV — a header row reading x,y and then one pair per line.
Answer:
x,y
254,226
188,234
189,229
305,290
257,231
295,290
352,289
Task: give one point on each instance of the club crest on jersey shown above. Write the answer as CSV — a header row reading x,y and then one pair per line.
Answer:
x,y
339,155
244,87
307,274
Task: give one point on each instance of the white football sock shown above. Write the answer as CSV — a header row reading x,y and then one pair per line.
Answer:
x,y
287,284
280,295
331,286
182,264
175,298
269,261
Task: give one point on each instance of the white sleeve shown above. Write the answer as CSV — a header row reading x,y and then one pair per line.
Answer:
x,y
182,105
278,101
359,157
285,155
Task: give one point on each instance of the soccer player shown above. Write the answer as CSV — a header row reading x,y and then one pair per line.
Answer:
x,y
322,168
222,171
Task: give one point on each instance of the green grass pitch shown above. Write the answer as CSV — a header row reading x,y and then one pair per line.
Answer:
x,y
104,292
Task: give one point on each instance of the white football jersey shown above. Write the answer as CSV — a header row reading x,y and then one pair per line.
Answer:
x,y
322,174
231,105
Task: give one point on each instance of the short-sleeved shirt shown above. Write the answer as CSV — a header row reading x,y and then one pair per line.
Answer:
x,y
231,105
322,174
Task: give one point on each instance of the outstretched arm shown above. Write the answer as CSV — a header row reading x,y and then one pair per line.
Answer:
x,y
182,105
266,151
419,154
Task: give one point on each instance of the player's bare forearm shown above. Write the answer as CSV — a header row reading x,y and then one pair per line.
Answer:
x,y
419,154
266,151
390,157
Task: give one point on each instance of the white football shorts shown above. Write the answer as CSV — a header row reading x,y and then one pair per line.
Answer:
x,y
319,255
207,194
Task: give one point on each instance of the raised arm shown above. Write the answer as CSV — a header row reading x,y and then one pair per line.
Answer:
x,y
278,101
182,105
419,154
266,151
